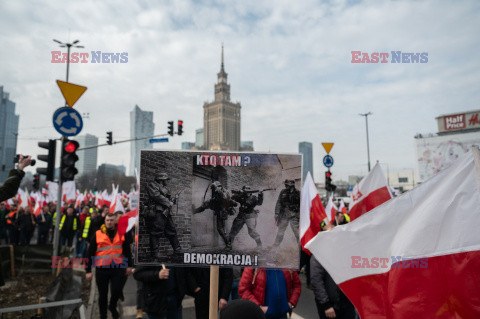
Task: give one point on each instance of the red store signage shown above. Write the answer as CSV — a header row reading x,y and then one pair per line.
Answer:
x,y
455,122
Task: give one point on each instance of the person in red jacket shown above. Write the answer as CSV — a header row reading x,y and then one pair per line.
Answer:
x,y
275,291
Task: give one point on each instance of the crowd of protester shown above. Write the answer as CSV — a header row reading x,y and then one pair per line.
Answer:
x,y
88,230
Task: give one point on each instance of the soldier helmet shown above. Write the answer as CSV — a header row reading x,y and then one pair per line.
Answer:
x,y
216,184
289,182
162,177
246,188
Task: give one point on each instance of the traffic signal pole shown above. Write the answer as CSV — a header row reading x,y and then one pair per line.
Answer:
x,y
56,233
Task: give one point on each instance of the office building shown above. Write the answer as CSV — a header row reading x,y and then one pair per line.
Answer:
x,y
141,125
8,134
87,159
306,149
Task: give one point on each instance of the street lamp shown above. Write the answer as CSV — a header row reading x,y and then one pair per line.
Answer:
x,y
68,46
56,234
368,146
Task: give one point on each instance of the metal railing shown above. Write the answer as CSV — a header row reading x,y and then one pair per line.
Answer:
x,y
81,309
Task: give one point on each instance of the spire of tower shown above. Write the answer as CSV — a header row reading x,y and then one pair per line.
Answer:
x,y
221,69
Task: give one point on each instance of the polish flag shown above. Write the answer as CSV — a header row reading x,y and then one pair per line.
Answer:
x,y
342,207
52,191
106,198
126,222
331,210
416,256
38,207
371,192
79,200
312,212
23,198
69,191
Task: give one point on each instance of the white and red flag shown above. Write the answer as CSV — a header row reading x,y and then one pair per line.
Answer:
x,y
342,207
416,256
69,193
331,210
312,212
127,221
371,192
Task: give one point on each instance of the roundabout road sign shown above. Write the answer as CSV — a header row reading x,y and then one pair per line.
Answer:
x,y
328,161
67,121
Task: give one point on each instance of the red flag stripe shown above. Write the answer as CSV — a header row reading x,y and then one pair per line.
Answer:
x,y
409,292
317,214
372,200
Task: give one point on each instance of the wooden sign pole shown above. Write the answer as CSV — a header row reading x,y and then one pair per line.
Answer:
x,y
213,314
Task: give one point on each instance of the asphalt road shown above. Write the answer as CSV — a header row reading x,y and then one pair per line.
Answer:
x,y
305,309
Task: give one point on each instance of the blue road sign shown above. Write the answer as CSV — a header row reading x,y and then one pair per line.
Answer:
x,y
328,161
159,140
67,121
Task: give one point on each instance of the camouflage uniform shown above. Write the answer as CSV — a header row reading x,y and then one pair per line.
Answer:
x,y
222,206
287,210
246,214
159,218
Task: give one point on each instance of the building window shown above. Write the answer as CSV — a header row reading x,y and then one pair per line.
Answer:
x,y
403,179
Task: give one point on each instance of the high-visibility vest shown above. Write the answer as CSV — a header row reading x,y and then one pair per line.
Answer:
x,y
63,221
54,220
108,251
10,215
86,227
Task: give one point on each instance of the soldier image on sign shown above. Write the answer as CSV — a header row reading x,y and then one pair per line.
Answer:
x,y
158,215
232,206
222,206
287,211
247,214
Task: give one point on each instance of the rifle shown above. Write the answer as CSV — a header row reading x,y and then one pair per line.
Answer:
x,y
253,191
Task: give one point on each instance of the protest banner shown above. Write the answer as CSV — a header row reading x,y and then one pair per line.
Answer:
x,y
219,208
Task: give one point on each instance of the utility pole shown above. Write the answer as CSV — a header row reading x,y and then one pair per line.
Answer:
x,y
368,145
56,234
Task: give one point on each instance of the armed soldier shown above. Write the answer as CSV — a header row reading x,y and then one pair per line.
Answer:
x,y
159,218
247,214
222,206
287,210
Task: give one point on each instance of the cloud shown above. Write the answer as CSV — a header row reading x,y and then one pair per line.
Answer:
x,y
289,65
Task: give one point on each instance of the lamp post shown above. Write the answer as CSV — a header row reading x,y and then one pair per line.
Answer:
x,y
56,233
68,46
368,145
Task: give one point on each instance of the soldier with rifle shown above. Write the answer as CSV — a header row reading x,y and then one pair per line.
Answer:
x,y
222,205
158,213
287,211
247,214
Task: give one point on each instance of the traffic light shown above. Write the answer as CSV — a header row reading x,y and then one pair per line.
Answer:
x,y
36,182
180,127
170,128
49,171
69,157
328,182
109,138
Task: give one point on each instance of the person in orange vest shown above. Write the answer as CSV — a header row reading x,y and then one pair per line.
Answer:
x,y
110,254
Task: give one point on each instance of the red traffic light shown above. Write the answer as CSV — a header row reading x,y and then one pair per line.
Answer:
x,y
328,174
180,122
71,146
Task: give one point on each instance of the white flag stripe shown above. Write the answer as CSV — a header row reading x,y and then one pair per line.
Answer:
x,y
419,223
308,194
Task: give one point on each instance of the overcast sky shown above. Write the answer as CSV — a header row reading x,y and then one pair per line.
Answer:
x,y
288,63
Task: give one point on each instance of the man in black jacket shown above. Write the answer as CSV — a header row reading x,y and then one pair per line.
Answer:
x,y
44,221
198,281
26,226
163,291
330,300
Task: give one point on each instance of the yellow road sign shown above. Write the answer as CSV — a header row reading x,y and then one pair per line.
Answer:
x,y
327,147
71,92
